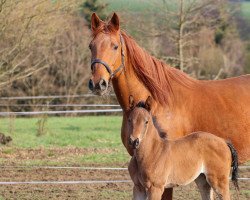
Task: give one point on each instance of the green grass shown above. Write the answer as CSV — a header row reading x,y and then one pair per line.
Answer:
x,y
89,131
130,5
99,135
245,10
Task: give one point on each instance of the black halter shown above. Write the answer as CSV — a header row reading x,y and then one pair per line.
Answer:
x,y
112,74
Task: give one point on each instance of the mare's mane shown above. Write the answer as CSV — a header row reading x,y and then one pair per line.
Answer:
x,y
153,73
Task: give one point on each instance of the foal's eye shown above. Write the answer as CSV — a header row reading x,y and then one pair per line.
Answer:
x,y
129,120
115,47
90,46
146,122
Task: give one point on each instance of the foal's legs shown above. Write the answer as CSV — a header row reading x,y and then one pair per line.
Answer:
x,y
167,194
220,184
204,188
155,193
139,192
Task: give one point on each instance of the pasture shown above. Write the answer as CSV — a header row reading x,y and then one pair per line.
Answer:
x,y
245,9
75,142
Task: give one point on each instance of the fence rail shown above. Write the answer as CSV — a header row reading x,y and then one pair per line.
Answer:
x,y
64,182
50,106
64,167
60,105
50,97
83,168
79,181
58,112
75,182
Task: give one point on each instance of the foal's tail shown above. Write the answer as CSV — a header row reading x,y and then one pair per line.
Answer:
x,y
234,165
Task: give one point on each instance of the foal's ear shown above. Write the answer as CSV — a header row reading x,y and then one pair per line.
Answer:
x,y
95,22
148,103
131,102
115,22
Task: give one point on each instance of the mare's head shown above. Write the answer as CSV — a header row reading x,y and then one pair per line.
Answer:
x,y
107,58
139,119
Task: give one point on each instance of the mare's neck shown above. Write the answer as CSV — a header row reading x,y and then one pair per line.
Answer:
x,y
125,84
156,78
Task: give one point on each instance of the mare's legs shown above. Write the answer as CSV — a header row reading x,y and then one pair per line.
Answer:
x,y
220,184
155,193
167,194
204,188
139,192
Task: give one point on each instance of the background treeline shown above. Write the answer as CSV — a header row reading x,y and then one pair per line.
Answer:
x,y
44,44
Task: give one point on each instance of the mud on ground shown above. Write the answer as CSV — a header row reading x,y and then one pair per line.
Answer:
x,y
108,191
85,191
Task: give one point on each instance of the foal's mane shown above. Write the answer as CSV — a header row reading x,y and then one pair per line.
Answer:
x,y
153,73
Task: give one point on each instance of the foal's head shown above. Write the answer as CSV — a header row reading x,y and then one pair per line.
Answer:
x,y
139,119
107,58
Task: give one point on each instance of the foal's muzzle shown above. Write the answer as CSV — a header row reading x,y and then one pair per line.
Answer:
x,y
134,143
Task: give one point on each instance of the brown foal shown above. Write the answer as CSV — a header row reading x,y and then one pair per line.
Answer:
x,y
162,163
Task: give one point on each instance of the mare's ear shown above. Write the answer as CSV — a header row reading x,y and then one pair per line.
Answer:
x,y
131,102
95,22
115,22
148,103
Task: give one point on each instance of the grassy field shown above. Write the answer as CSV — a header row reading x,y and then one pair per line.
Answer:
x,y
89,131
96,138
245,9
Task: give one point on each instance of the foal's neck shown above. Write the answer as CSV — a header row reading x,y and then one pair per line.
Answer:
x,y
151,144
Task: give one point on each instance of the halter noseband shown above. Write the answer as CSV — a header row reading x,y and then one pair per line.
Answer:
x,y
112,74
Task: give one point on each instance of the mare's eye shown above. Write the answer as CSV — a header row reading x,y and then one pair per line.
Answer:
x,y
129,120
90,46
146,122
115,47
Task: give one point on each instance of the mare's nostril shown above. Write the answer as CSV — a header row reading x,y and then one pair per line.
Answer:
x,y
91,85
130,141
137,142
103,84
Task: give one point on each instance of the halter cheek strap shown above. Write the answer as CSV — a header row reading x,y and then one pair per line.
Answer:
x,y
112,74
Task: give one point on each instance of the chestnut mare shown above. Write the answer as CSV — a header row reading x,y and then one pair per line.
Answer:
x,y
181,104
200,157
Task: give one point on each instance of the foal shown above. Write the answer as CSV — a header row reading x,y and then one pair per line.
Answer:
x,y
161,163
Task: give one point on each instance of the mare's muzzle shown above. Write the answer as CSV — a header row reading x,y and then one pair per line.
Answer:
x,y
134,143
101,86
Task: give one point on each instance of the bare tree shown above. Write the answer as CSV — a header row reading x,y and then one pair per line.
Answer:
x,y
26,29
176,35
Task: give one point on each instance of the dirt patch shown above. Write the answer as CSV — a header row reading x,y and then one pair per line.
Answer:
x,y
43,153
87,191
60,156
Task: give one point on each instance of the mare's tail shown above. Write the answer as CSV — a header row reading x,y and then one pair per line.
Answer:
x,y
234,165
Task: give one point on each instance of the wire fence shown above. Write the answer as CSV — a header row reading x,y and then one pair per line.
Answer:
x,y
47,182
64,182
61,105
59,112
80,168
50,108
50,97
75,182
